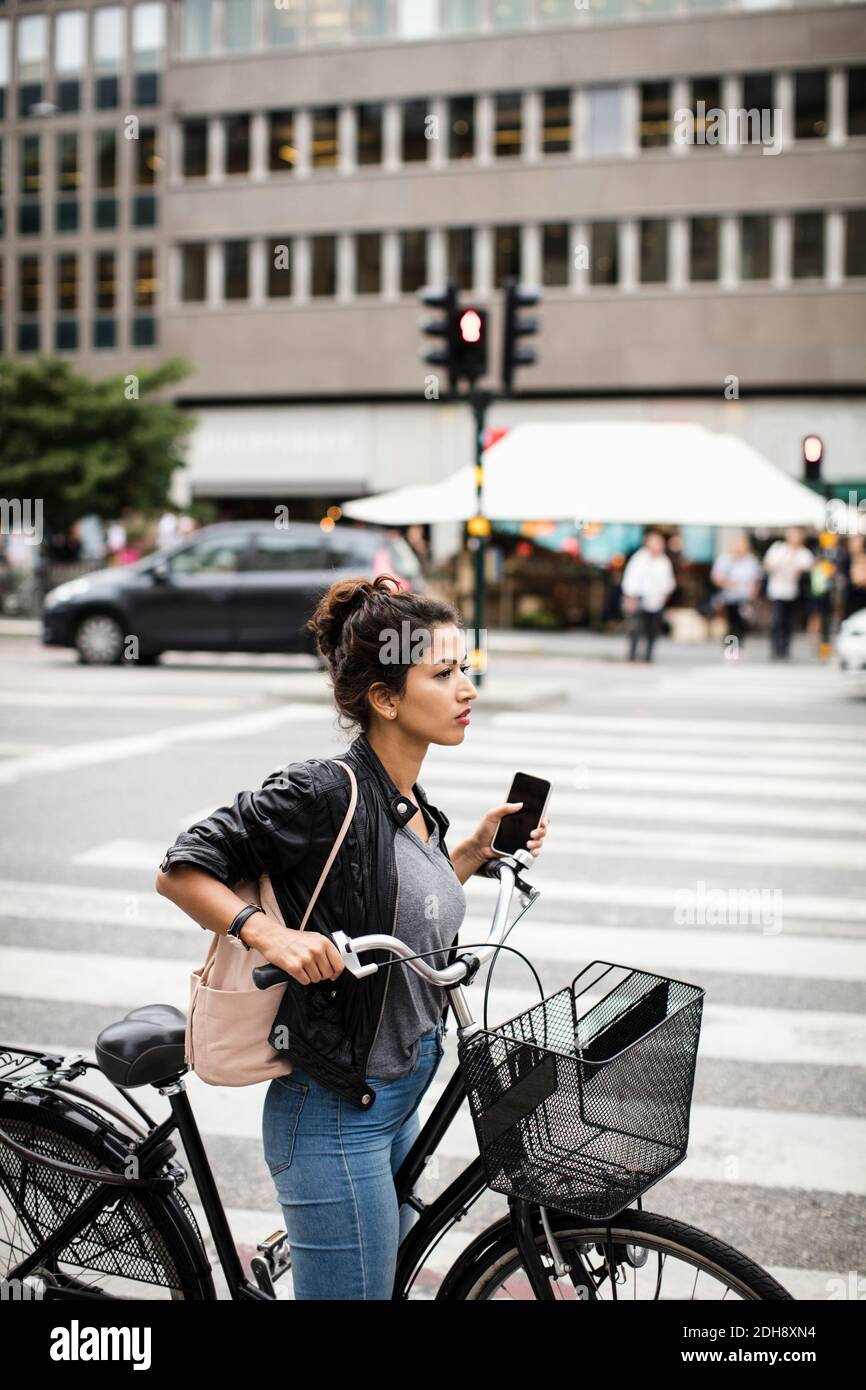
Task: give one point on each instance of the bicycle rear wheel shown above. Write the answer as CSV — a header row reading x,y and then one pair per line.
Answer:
x,y
655,1258
142,1246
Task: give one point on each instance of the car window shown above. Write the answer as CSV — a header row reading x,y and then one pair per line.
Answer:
x,y
368,551
287,552
218,555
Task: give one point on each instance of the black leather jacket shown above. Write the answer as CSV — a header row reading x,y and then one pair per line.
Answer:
x,y
287,829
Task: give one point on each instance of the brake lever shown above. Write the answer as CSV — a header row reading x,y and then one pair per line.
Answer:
x,y
344,945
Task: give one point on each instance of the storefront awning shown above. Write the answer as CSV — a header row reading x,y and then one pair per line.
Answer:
x,y
681,474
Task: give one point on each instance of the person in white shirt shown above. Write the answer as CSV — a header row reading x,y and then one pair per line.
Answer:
x,y
738,575
647,583
784,562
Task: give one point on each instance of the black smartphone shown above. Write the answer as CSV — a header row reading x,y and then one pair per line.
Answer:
x,y
515,829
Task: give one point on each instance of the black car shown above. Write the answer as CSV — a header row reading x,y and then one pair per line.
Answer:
x,y
240,586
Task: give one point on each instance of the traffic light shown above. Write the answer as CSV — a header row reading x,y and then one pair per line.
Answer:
x,y
813,453
515,326
471,343
464,328
444,327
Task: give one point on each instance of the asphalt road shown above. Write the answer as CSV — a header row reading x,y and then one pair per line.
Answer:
x,y
670,782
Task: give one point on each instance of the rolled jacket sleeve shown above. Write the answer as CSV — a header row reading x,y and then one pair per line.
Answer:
x,y
262,832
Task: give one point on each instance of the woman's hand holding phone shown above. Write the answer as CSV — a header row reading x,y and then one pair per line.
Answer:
x,y
486,831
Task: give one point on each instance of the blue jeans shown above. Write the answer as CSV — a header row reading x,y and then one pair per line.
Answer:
x,y
333,1166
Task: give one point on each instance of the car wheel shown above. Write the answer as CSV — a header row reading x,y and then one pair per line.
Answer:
x,y
99,640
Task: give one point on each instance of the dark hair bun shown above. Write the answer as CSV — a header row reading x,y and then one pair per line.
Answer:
x,y
346,597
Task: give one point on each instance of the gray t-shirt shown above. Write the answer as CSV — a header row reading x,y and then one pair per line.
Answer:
x,y
431,905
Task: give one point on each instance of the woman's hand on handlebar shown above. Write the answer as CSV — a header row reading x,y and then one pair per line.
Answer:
x,y
308,956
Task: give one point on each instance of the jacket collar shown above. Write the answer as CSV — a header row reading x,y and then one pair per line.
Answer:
x,y
400,807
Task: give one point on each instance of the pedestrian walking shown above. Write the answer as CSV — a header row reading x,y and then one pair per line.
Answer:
x,y
737,573
333,1155
647,583
785,562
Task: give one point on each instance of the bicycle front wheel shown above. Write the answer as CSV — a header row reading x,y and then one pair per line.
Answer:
x,y
648,1258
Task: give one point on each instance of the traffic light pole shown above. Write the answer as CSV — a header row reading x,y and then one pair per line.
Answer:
x,y
480,401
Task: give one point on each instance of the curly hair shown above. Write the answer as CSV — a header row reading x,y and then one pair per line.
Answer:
x,y
351,625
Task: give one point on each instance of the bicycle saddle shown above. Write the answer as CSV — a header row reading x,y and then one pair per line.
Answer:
x,y
144,1047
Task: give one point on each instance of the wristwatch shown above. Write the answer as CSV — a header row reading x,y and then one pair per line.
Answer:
x,y
233,932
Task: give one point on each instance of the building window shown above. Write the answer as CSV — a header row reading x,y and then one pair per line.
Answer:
x,y
148,44
67,284
323,256
68,175
105,164
754,247
237,141
461,16
415,140
810,105
653,241
368,263
655,114
603,254
279,269
238,25
460,253
105,283
145,289
147,158
327,21
417,19
194,141
236,270
68,58
29,301
758,92
32,60
5,32
193,272
283,23
706,103
704,248
506,254
461,128
556,121
196,28
108,24
554,253
857,101
605,123
144,281
282,153
413,261
808,245
30,185
507,124
144,207
855,242
369,132
369,19
509,14
325,151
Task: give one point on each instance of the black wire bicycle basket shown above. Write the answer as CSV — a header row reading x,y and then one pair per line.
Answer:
x,y
583,1111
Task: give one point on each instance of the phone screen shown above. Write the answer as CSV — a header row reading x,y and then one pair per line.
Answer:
x,y
515,829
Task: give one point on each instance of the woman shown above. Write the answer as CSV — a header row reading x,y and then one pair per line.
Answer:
x,y
363,1052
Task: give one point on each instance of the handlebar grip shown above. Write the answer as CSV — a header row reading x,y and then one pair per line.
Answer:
x,y
266,975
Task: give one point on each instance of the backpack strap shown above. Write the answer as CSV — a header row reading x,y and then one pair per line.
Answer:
x,y
353,801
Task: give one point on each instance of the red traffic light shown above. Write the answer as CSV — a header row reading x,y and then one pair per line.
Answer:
x,y
813,448
470,326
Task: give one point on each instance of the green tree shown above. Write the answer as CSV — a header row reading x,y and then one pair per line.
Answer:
x,y
84,445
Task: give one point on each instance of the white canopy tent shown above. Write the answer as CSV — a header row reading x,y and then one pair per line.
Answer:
x,y
680,474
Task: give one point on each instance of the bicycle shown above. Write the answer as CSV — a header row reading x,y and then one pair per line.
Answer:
x,y
576,1117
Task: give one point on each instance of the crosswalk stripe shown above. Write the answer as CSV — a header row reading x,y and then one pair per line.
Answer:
x,y
480,773
537,720
482,753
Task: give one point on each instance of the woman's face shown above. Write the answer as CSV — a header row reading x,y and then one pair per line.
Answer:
x,y
438,688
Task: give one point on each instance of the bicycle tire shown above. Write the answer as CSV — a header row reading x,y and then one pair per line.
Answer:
x,y
485,1263
151,1240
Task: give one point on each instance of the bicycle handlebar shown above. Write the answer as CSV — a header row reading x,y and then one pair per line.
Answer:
x,y
509,877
